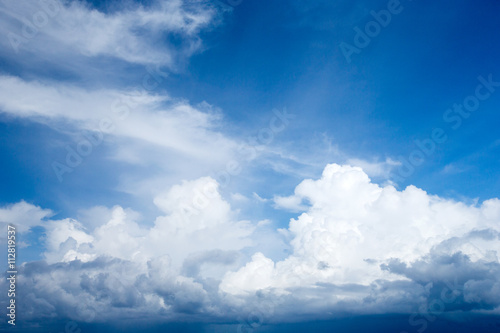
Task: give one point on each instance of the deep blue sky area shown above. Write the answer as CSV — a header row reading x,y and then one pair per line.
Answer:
x,y
391,94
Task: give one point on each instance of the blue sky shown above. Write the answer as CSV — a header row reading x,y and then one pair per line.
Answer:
x,y
228,152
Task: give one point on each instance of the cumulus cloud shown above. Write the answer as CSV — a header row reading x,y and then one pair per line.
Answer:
x,y
97,273
23,215
356,232
357,248
196,220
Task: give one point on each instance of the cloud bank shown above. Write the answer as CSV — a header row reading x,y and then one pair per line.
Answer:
x,y
357,248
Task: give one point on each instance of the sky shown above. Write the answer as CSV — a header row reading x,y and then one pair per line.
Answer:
x,y
249,165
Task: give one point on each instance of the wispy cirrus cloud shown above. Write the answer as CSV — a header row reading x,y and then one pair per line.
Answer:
x,y
53,30
132,127
153,118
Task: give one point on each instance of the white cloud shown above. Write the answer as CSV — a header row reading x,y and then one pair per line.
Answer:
x,y
238,197
197,219
122,265
352,226
137,128
23,216
292,203
157,120
375,169
358,248
453,168
67,30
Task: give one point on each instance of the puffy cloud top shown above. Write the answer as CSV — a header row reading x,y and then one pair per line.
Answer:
x,y
352,226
